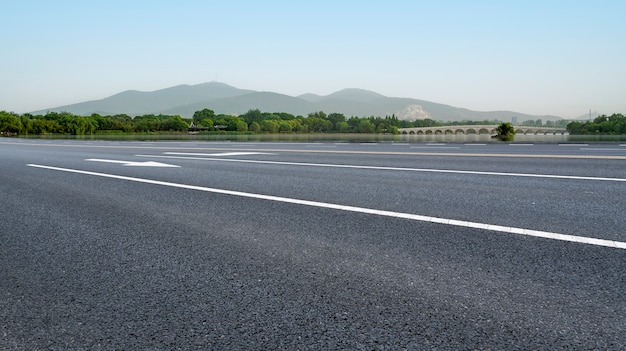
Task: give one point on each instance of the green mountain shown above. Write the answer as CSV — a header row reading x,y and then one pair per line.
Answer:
x,y
184,100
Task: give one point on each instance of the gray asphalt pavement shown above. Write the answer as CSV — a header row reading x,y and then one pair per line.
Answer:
x,y
271,246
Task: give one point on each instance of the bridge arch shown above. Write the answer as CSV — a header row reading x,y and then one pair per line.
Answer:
x,y
480,129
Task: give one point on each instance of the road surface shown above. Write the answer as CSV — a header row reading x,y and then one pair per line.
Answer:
x,y
223,245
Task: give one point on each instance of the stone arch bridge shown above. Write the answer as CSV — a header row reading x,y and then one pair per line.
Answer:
x,y
482,129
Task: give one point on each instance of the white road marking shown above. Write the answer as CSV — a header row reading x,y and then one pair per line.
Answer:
x,y
530,175
220,154
132,163
228,146
415,217
435,147
601,149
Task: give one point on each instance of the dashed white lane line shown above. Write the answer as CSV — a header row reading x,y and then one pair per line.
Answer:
x,y
409,216
197,156
601,149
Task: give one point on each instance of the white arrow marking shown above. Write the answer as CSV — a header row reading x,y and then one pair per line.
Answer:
x,y
133,163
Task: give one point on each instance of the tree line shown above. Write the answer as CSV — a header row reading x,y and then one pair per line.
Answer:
x,y
256,121
203,120
613,124
67,123
282,122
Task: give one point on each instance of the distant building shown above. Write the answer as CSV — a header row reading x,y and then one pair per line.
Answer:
x,y
514,120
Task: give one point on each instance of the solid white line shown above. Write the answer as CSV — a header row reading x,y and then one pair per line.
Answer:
x,y
421,218
435,147
222,153
530,175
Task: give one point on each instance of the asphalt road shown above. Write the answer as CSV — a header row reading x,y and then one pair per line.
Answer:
x,y
311,246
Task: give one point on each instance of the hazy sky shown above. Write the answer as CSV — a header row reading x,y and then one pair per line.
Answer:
x,y
537,57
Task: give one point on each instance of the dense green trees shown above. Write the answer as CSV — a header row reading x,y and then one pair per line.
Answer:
x,y
252,121
198,116
613,124
10,123
67,123
255,121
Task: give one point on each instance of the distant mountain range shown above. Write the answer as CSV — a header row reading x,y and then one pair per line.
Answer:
x,y
184,100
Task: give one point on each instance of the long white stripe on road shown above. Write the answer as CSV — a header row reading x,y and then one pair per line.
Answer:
x,y
240,153
196,156
458,223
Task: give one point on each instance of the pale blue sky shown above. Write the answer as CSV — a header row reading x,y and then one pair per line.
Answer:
x,y
538,57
